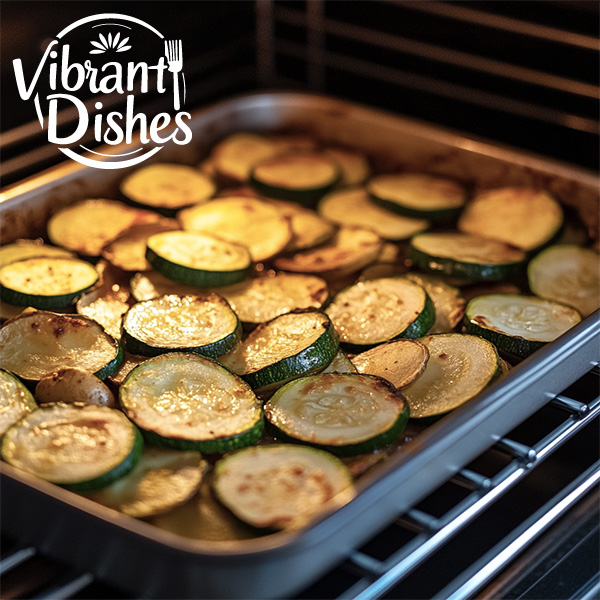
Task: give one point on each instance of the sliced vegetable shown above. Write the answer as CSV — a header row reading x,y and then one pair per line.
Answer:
x,y
340,364
459,367
379,310
284,348
465,256
73,385
524,217
187,402
15,400
205,325
354,165
418,195
151,284
29,249
198,259
161,480
308,228
518,324
87,226
167,187
39,342
400,362
128,250
352,206
280,486
351,249
261,299
258,225
569,275
448,301
299,177
46,282
343,413
80,447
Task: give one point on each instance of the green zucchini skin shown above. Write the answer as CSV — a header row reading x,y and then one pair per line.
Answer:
x,y
217,446
309,198
16,298
446,216
195,277
464,270
119,471
113,366
376,443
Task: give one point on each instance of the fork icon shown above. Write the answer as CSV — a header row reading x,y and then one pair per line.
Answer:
x,y
174,55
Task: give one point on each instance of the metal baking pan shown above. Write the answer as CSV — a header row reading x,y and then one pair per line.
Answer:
x,y
150,562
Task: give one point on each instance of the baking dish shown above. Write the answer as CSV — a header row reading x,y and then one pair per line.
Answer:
x,y
152,562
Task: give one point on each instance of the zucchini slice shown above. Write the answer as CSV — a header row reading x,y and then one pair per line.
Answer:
x,y
128,250
340,364
448,301
350,249
167,187
261,299
352,206
79,447
280,486
299,177
29,249
400,362
465,256
418,195
459,367
256,224
15,400
308,228
151,284
187,402
46,282
518,324
234,156
569,275
354,165
198,259
161,480
204,325
38,342
284,348
343,413
87,226
379,310
523,217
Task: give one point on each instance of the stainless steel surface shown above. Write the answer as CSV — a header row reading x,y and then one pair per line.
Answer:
x,y
281,564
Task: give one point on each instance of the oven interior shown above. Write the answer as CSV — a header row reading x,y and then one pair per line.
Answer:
x,y
521,521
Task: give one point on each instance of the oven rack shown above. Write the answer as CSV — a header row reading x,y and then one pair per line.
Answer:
x,y
23,568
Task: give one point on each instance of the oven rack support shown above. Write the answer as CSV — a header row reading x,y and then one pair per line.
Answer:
x,y
379,576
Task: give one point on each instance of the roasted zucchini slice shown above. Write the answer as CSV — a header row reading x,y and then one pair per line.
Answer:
x,y
187,402
204,325
352,206
39,342
280,486
419,195
516,324
26,248
354,165
375,311
79,447
166,187
343,413
256,224
284,348
46,282
527,218
459,367
466,256
198,259
15,400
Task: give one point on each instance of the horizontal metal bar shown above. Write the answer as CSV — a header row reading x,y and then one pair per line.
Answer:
x,y
365,564
67,587
524,453
417,520
13,560
438,87
501,554
471,480
573,406
442,54
508,24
